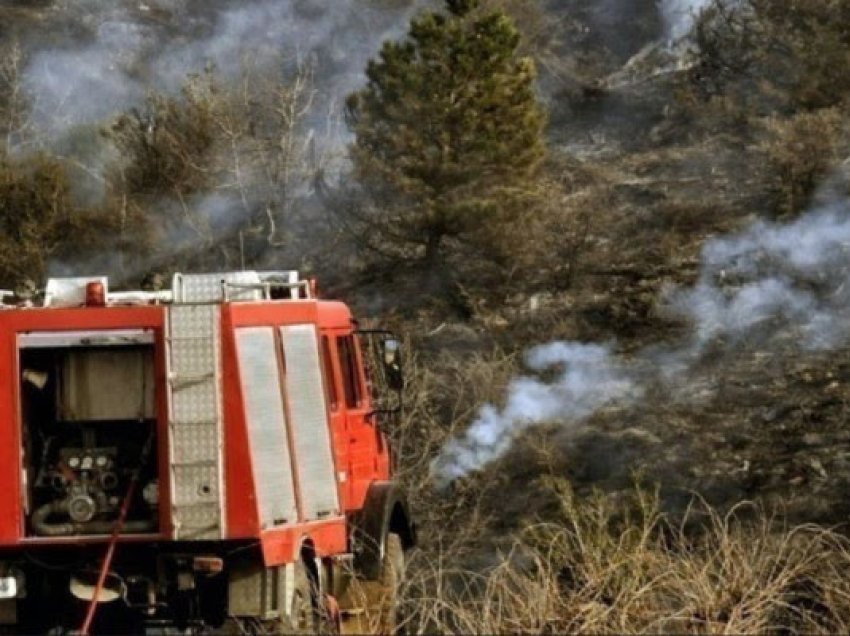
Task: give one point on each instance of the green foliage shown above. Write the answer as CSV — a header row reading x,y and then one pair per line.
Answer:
x,y
449,133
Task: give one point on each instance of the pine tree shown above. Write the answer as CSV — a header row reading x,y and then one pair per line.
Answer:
x,y
449,133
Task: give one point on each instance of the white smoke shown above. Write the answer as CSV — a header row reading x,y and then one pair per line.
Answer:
x,y
679,16
771,282
82,86
776,278
130,53
589,377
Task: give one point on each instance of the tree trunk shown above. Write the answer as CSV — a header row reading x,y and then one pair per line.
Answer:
x,y
433,261
434,272
440,281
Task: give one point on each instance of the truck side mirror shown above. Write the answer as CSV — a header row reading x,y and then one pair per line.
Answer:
x,y
391,358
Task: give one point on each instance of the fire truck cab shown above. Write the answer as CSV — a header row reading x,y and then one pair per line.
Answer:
x,y
207,459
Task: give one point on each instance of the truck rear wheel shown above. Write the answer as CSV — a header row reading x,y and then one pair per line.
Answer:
x,y
373,606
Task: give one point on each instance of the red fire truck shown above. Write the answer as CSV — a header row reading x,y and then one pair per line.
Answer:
x,y
202,459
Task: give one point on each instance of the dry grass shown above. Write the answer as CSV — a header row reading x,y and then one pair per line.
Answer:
x,y
623,567
516,549
603,563
800,151
439,396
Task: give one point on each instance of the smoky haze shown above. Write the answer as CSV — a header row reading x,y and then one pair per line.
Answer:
x,y
679,16
135,47
768,286
105,57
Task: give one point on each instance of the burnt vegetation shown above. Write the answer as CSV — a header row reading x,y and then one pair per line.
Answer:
x,y
517,172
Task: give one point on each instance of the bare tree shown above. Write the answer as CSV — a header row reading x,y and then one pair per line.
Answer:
x,y
268,153
228,161
14,111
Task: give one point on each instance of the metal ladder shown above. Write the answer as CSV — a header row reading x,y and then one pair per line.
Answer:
x,y
195,421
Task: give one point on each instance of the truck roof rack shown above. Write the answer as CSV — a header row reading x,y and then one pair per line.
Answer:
x,y
215,287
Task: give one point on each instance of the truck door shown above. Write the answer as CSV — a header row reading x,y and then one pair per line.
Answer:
x,y
365,447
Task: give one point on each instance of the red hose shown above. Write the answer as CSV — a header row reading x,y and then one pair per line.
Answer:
x,y
113,540
110,552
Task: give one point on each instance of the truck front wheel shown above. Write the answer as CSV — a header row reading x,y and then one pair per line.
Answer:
x,y
372,607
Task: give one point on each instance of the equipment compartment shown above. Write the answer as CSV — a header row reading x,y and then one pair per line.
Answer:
x,y
88,419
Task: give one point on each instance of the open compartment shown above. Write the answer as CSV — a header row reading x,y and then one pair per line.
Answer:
x,y
88,418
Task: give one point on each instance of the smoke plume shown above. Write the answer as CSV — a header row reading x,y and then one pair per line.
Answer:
x,y
767,285
679,16
589,376
775,279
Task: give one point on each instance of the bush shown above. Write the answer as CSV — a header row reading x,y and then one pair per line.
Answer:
x,y
168,144
774,55
604,566
799,152
40,222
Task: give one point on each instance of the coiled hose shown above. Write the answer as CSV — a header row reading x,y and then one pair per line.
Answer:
x,y
42,527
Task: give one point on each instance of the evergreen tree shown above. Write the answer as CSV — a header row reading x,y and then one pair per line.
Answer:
x,y
449,134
